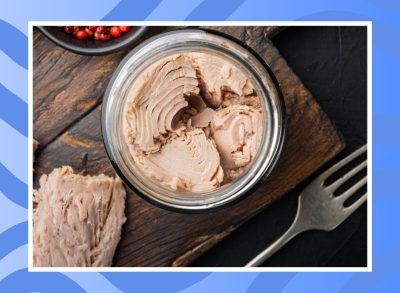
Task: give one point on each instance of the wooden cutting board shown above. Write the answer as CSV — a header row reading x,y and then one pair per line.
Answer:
x,y
67,95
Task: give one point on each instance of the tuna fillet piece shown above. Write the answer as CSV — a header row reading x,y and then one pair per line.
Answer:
x,y
219,78
203,118
77,221
237,132
158,101
193,158
35,145
193,121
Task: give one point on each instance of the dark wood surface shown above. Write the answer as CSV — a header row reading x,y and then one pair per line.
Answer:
x,y
68,89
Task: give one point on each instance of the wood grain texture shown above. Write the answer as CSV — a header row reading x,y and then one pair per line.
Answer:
x,y
156,237
67,85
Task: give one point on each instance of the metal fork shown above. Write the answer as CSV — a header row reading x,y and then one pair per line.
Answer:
x,y
318,208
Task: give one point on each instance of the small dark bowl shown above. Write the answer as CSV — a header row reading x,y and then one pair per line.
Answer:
x,y
91,46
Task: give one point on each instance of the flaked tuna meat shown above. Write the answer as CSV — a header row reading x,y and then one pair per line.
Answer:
x,y
77,221
230,98
203,118
189,162
162,97
237,132
193,121
219,77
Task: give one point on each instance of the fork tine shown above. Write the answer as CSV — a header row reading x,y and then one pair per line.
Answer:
x,y
342,163
349,210
347,176
343,197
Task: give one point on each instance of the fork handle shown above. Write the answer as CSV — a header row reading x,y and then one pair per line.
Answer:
x,y
293,230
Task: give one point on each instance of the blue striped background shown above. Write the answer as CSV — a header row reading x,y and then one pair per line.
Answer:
x,y
14,277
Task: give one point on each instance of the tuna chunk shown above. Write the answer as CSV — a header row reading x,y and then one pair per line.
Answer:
x,y
163,95
237,132
204,118
193,121
35,145
219,77
77,220
194,159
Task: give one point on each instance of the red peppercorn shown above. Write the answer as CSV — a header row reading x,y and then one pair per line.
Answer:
x,y
92,28
89,32
104,37
69,29
103,33
125,28
81,35
101,29
97,36
115,31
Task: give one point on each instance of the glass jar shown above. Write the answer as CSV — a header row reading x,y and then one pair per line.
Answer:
x,y
204,41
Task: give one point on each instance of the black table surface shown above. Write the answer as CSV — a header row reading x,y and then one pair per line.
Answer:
x,y
332,63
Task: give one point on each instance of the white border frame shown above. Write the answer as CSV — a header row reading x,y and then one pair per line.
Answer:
x,y
368,24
